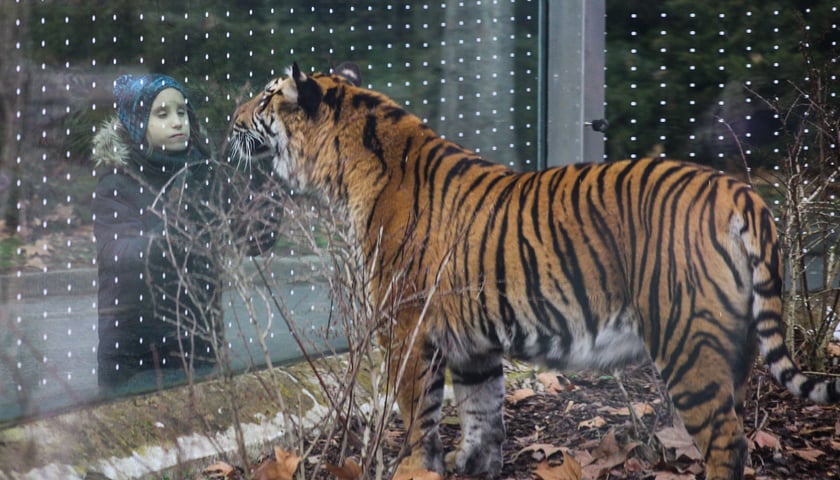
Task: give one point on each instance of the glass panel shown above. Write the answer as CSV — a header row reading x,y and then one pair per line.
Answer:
x,y
468,68
750,88
685,80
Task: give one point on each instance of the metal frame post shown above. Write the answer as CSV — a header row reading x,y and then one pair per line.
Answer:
x,y
573,62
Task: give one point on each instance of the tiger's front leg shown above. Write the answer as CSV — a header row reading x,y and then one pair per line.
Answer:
x,y
479,395
419,383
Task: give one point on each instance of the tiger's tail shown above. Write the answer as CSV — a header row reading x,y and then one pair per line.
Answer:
x,y
762,245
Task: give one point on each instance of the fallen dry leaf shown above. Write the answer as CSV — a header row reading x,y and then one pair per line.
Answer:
x,y
818,431
36,262
584,457
763,439
568,470
607,447
220,470
674,476
680,441
541,451
551,382
808,454
634,465
349,470
641,409
282,467
814,409
520,394
607,455
40,247
596,422
533,437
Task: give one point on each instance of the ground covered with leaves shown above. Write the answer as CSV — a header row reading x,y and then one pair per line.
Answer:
x,y
564,427
586,427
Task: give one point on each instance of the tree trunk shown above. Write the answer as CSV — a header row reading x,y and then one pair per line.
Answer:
x,y
13,80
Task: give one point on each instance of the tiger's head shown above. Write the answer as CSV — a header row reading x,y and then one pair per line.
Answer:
x,y
287,120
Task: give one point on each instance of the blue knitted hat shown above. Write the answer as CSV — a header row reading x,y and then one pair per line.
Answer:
x,y
135,94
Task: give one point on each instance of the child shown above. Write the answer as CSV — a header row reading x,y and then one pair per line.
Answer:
x,y
159,302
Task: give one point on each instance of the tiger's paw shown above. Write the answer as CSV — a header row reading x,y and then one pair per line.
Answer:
x,y
475,461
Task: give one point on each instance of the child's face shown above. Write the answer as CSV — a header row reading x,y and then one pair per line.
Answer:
x,y
169,124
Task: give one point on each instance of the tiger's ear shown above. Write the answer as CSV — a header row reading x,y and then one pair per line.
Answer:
x,y
350,72
309,93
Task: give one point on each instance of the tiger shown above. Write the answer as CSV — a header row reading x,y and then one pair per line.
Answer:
x,y
585,266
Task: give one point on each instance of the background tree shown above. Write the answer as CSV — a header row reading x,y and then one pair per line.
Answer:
x,y
14,71
676,68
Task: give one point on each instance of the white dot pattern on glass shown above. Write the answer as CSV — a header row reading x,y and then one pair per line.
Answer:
x,y
470,68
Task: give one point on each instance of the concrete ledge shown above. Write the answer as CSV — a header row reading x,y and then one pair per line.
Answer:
x,y
177,430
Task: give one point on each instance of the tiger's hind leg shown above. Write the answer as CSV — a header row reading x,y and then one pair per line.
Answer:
x,y
479,395
703,390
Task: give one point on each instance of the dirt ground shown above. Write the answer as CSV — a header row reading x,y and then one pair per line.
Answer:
x,y
559,427
584,420
789,438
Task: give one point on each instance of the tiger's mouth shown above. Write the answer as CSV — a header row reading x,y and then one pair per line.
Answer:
x,y
249,148
261,153
246,147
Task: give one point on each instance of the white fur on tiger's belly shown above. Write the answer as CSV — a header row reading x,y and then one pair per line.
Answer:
x,y
612,348
618,344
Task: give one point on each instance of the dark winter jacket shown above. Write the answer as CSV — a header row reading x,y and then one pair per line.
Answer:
x,y
159,293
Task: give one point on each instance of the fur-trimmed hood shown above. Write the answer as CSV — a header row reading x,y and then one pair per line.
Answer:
x,y
111,144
